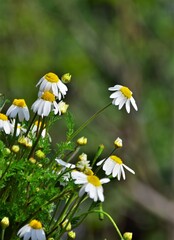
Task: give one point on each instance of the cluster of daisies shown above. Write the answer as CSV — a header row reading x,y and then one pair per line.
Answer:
x,y
51,92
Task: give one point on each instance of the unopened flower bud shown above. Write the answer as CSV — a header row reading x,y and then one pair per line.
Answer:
x,y
7,151
5,222
66,78
32,160
63,107
118,143
15,148
82,141
71,235
127,236
67,225
40,154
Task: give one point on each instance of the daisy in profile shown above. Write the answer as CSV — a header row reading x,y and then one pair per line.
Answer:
x,y
115,166
20,109
33,231
121,96
91,185
51,82
5,124
43,105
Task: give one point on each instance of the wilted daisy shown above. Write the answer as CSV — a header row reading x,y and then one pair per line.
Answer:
x,y
5,124
43,106
51,82
92,185
115,166
83,163
20,109
33,231
121,96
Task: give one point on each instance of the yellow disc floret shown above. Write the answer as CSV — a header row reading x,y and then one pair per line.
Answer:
x,y
19,103
126,92
94,180
51,77
116,159
3,117
47,96
35,224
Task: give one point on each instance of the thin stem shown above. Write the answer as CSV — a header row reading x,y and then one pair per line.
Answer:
x,y
37,139
2,235
88,121
112,221
30,124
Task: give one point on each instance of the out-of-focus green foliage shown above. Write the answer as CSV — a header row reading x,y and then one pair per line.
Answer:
x,y
102,43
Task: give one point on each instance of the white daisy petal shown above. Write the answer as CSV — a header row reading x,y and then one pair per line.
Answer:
x,y
121,96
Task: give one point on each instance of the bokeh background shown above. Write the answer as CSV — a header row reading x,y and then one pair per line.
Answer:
x,y
103,43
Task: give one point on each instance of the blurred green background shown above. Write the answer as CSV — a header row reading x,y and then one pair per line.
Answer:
x,y
103,43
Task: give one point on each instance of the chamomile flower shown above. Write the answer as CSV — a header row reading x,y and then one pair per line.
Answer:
x,y
43,106
33,231
20,109
51,82
5,124
20,129
92,185
121,96
115,166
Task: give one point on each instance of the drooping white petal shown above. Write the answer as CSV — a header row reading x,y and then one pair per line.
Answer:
x,y
129,169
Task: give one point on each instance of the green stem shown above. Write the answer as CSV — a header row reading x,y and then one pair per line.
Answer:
x,y
2,235
88,121
30,124
37,139
112,221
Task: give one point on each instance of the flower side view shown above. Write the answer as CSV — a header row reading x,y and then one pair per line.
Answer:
x,y
51,82
115,166
92,185
43,106
20,109
121,96
33,231
5,124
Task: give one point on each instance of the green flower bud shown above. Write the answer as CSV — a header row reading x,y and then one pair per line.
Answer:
x,y
5,222
71,235
127,236
82,141
66,78
15,148
40,154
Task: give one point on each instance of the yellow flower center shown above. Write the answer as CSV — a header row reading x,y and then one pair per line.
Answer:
x,y
3,117
35,224
116,159
19,103
47,96
94,180
126,92
51,77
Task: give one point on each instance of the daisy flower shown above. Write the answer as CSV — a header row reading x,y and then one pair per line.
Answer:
x,y
19,129
43,106
5,124
92,185
20,109
51,82
115,166
121,96
33,231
